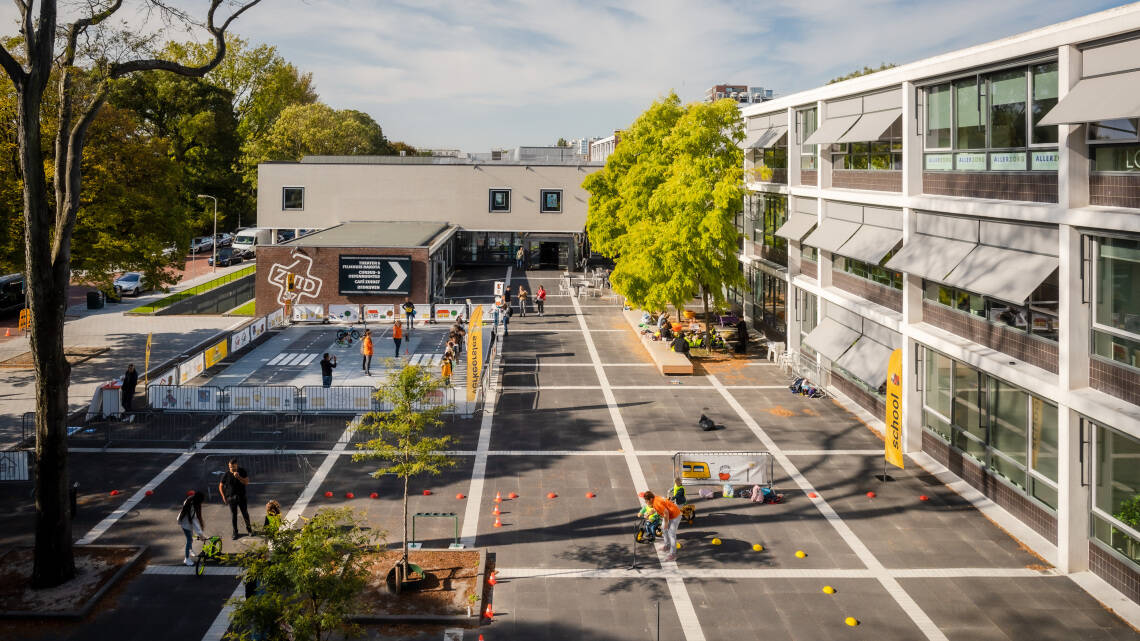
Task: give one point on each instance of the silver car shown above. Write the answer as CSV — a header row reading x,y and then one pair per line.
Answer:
x,y
130,283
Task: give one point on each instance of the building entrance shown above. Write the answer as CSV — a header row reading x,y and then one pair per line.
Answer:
x,y
548,255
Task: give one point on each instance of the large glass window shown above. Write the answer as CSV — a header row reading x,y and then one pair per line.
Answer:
x,y
807,120
768,212
1116,316
1038,316
1009,418
938,124
1116,492
1044,79
1007,109
970,115
966,409
875,273
938,383
884,153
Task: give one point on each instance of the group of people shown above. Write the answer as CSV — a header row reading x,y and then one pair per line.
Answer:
x,y
503,309
232,490
681,340
668,512
455,337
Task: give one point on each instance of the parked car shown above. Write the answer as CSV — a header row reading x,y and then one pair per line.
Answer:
x,y
130,283
247,240
224,239
201,243
12,294
226,257
285,235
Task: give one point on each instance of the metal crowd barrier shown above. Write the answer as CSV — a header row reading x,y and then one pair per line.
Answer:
x,y
265,470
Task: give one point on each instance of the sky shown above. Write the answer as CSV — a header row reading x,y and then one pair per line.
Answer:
x,y
474,75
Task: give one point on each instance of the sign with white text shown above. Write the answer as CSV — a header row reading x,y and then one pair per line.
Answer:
x,y
377,275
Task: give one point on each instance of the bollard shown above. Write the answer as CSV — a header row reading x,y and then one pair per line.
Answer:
x,y
73,495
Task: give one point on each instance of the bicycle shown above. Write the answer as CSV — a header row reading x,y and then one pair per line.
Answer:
x,y
211,551
345,336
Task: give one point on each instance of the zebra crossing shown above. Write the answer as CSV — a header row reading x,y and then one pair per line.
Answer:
x,y
294,359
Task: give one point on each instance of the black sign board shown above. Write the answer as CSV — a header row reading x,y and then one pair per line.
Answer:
x,y
377,275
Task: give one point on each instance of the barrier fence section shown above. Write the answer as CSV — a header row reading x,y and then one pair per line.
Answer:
x,y
263,470
313,399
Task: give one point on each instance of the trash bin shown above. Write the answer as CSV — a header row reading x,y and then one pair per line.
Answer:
x,y
95,300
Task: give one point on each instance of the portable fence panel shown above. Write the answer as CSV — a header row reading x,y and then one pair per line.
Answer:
x,y
264,470
181,397
261,398
169,377
14,465
718,468
344,313
253,428
276,318
239,340
449,313
379,313
308,312
303,429
337,399
257,329
161,427
191,368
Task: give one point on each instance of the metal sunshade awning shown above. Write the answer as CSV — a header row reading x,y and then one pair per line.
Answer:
x,y
871,243
797,227
871,126
831,235
1006,274
931,257
867,360
831,338
1099,98
769,138
831,130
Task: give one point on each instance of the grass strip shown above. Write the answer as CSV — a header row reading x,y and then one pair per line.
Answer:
x,y
201,288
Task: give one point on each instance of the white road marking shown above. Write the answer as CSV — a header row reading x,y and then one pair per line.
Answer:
x,y
317,452
128,505
770,573
674,386
908,605
308,359
323,471
538,363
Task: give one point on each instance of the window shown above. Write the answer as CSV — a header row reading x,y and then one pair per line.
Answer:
x,y
810,253
550,201
884,153
1113,145
808,308
989,121
875,273
808,123
499,201
1116,315
293,198
1038,316
1116,492
1010,432
768,213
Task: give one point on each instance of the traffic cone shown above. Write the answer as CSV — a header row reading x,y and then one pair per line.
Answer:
x,y
498,523
349,495
491,580
590,495
7,332
498,497
551,495
512,495
427,492
149,492
496,511
489,613
460,496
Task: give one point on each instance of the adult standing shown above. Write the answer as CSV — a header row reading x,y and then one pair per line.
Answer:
x,y
522,300
519,256
190,519
409,313
397,336
327,366
506,315
540,299
741,336
130,381
670,521
366,352
496,309
232,489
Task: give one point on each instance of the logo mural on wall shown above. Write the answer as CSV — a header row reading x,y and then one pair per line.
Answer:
x,y
305,284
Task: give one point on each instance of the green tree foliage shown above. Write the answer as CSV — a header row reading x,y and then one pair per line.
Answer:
x,y
664,206
396,147
400,435
562,142
319,130
865,71
307,578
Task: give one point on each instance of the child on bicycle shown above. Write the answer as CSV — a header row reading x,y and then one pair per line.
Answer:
x,y
190,519
650,524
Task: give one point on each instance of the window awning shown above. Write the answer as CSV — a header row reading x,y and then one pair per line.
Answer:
x,y
1007,274
797,227
867,360
871,243
768,138
871,126
831,338
831,235
1100,98
930,257
831,130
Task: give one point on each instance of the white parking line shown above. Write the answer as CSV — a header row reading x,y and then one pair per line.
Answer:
x,y
771,573
128,505
323,471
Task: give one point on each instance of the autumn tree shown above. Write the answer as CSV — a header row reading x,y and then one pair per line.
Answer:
x,y
664,206
319,130
53,47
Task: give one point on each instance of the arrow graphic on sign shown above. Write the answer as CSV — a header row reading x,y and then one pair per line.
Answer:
x,y
401,275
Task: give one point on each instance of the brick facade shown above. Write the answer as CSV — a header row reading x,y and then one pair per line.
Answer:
x,y
1114,190
1024,347
1038,187
779,176
1010,499
888,297
1120,574
878,180
1115,380
808,176
864,399
809,268
326,267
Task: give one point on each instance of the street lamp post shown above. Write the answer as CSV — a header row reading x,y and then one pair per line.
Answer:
x,y
214,240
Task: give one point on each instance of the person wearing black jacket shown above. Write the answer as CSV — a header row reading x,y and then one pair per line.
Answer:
x,y
232,489
130,381
327,366
741,336
680,345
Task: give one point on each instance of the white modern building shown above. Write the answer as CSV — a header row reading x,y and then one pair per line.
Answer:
x,y
601,148
979,211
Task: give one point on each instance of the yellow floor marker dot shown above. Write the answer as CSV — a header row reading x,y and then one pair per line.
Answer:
x,y
716,541
851,621
827,589
758,548
678,545
800,554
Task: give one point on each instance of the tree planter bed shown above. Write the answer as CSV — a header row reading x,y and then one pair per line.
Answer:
x,y
450,577
98,569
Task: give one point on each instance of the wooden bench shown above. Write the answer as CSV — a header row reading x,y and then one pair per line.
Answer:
x,y
668,362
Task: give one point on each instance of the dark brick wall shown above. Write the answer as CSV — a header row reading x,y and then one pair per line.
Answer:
x,y
1121,575
1114,190
1011,500
888,297
867,401
809,268
1019,345
1026,186
1116,380
878,180
808,176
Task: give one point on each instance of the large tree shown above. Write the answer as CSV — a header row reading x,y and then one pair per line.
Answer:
x,y
319,130
47,46
664,205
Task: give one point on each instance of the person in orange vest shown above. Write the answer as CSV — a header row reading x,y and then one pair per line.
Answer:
x,y
366,352
670,519
446,371
398,337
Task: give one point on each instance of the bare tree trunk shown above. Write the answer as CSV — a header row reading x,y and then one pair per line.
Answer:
x,y
708,323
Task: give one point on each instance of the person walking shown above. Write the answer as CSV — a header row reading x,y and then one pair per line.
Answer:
x,y
397,336
130,380
327,366
670,520
496,308
540,300
445,371
232,489
190,519
506,315
520,255
409,314
522,300
366,352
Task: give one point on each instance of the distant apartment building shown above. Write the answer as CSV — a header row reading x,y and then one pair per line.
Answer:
x,y
980,212
743,94
601,148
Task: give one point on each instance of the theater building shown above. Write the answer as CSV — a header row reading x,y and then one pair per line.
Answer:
x,y
980,212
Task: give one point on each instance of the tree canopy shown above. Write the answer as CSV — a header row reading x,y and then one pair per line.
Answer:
x,y
865,71
665,204
319,130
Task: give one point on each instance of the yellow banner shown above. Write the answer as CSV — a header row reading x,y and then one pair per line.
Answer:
x,y
215,354
146,363
474,352
894,453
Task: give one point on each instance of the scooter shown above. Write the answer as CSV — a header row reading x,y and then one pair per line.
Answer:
x,y
647,531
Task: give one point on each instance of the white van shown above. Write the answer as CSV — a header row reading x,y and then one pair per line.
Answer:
x,y
247,240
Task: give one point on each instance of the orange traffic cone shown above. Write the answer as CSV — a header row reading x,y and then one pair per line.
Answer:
x,y
496,511
490,614
491,580
498,523
7,332
498,497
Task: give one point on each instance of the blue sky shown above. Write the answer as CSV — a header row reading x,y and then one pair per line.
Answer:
x,y
476,75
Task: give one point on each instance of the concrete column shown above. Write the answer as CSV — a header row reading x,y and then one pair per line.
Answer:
x,y
793,148
1073,150
1072,497
823,157
912,123
912,352
795,312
